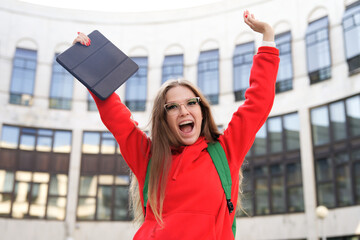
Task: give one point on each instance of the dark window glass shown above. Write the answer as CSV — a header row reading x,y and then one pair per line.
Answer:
x,y
295,191
318,50
173,67
136,86
261,191
277,189
23,77
242,62
208,75
272,174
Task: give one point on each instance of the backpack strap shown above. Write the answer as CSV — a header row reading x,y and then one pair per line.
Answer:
x,y
219,159
146,186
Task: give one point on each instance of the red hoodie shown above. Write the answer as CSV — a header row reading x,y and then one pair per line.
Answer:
x,y
195,204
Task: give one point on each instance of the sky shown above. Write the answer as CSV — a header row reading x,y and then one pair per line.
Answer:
x,y
122,5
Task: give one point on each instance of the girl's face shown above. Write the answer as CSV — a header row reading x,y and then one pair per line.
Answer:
x,y
183,114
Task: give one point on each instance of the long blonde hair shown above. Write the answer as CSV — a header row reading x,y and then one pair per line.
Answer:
x,y
162,141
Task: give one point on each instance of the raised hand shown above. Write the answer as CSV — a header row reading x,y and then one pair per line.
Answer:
x,y
258,26
83,39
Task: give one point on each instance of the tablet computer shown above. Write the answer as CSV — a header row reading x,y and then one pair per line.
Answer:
x,y
101,67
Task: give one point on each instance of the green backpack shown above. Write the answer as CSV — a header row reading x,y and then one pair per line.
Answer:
x,y
218,157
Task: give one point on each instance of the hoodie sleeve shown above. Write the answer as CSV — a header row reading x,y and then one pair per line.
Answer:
x,y
134,144
252,114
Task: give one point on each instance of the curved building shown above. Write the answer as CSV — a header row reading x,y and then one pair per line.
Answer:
x,y
62,175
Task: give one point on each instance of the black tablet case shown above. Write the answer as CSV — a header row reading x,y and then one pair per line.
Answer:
x,y
101,67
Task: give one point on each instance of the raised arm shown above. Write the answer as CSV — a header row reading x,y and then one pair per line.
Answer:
x,y
134,144
261,27
259,97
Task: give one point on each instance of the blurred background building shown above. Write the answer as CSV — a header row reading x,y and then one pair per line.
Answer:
x,y
62,175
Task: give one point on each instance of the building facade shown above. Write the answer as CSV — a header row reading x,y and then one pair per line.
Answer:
x,y
62,175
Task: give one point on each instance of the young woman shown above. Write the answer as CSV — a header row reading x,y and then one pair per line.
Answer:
x,y
186,198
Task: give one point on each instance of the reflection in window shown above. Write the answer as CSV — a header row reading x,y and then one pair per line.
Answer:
x,y
351,27
353,115
259,146
104,180
91,142
242,61
261,191
337,155
320,126
318,50
337,119
91,105
173,67
275,134
285,72
208,75
292,128
272,174
23,77
357,182
33,172
61,87
277,188
136,86
294,183
9,137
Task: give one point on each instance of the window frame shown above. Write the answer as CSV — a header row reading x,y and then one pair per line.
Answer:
x,y
97,164
329,151
32,162
268,160
136,100
204,67
320,73
242,58
26,57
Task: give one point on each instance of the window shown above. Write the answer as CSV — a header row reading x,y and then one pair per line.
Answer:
x,y
335,133
272,173
104,180
61,87
34,172
285,72
208,75
242,62
318,50
173,67
136,86
23,77
91,103
345,238
351,27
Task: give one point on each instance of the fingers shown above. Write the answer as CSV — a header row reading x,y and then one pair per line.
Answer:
x,y
83,39
249,19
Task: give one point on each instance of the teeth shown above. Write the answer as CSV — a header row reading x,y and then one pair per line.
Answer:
x,y
186,122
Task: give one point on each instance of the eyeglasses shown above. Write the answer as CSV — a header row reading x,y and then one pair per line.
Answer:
x,y
174,108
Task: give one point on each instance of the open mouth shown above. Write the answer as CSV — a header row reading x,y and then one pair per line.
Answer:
x,y
186,126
